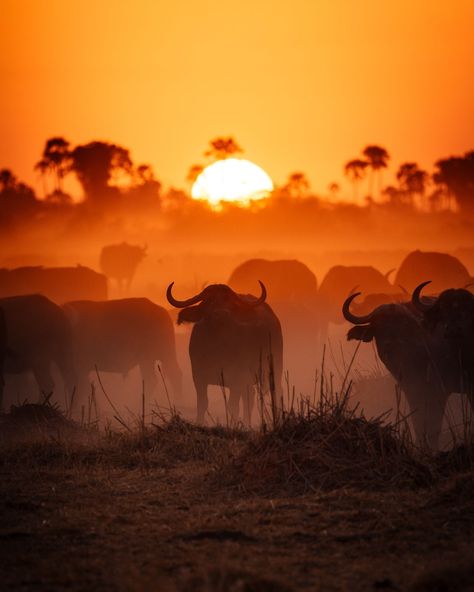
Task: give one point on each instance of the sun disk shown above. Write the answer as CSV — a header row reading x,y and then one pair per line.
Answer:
x,y
232,180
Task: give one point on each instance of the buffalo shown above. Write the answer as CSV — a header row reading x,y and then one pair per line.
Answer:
x,y
59,284
339,281
422,364
37,335
292,292
236,342
118,335
286,280
450,317
120,262
445,271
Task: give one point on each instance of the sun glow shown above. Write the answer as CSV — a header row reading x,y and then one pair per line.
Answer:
x,y
232,180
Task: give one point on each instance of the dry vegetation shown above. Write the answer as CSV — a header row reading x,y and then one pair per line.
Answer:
x,y
323,500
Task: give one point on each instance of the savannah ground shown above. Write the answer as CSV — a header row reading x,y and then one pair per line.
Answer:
x,y
327,501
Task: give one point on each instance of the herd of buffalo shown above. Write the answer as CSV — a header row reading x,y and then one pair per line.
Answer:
x,y
422,324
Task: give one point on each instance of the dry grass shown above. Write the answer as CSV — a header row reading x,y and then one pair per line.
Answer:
x,y
328,446
310,447
41,435
166,506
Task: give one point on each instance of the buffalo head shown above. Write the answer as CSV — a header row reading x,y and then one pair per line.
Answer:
x,y
392,326
451,314
216,300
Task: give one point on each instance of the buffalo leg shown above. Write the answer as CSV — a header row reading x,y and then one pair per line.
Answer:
x,y
248,399
82,403
174,374
427,411
67,370
202,400
233,403
43,378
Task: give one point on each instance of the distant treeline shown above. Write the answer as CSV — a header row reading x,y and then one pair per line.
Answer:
x,y
116,189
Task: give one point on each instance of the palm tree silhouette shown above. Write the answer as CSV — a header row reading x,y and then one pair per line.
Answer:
x,y
56,159
412,180
297,185
456,174
7,180
355,171
223,147
377,158
334,189
42,167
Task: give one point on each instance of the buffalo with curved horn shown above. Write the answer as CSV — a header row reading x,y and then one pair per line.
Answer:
x,y
421,363
450,317
235,340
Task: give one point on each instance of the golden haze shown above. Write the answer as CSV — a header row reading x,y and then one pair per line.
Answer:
x,y
303,85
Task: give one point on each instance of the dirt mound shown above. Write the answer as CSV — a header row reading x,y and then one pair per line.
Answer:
x,y
327,447
35,420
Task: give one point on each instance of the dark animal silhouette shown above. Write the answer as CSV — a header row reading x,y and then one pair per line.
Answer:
x,y
444,270
422,364
286,280
450,317
120,262
59,284
292,293
119,335
338,282
372,301
234,339
38,334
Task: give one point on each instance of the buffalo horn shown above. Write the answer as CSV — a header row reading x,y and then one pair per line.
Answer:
x,y
417,303
261,299
181,303
351,317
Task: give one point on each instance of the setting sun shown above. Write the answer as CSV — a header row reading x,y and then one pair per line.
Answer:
x,y
234,180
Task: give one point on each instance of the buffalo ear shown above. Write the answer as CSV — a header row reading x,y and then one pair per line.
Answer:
x,y
361,333
191,314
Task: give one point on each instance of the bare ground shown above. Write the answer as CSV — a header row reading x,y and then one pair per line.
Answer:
x,y
162,515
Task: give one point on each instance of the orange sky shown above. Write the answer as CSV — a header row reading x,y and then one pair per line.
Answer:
x,y
301,84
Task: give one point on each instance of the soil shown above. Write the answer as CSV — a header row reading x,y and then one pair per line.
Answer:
x,y
82,519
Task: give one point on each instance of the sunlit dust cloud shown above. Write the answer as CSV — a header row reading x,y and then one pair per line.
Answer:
x,y
233,180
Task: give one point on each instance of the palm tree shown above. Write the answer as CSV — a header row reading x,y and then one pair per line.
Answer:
x,y
355,171
223,147
456,174
334,189
7,179
297,185
42,167
56,158
377,158
412,180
